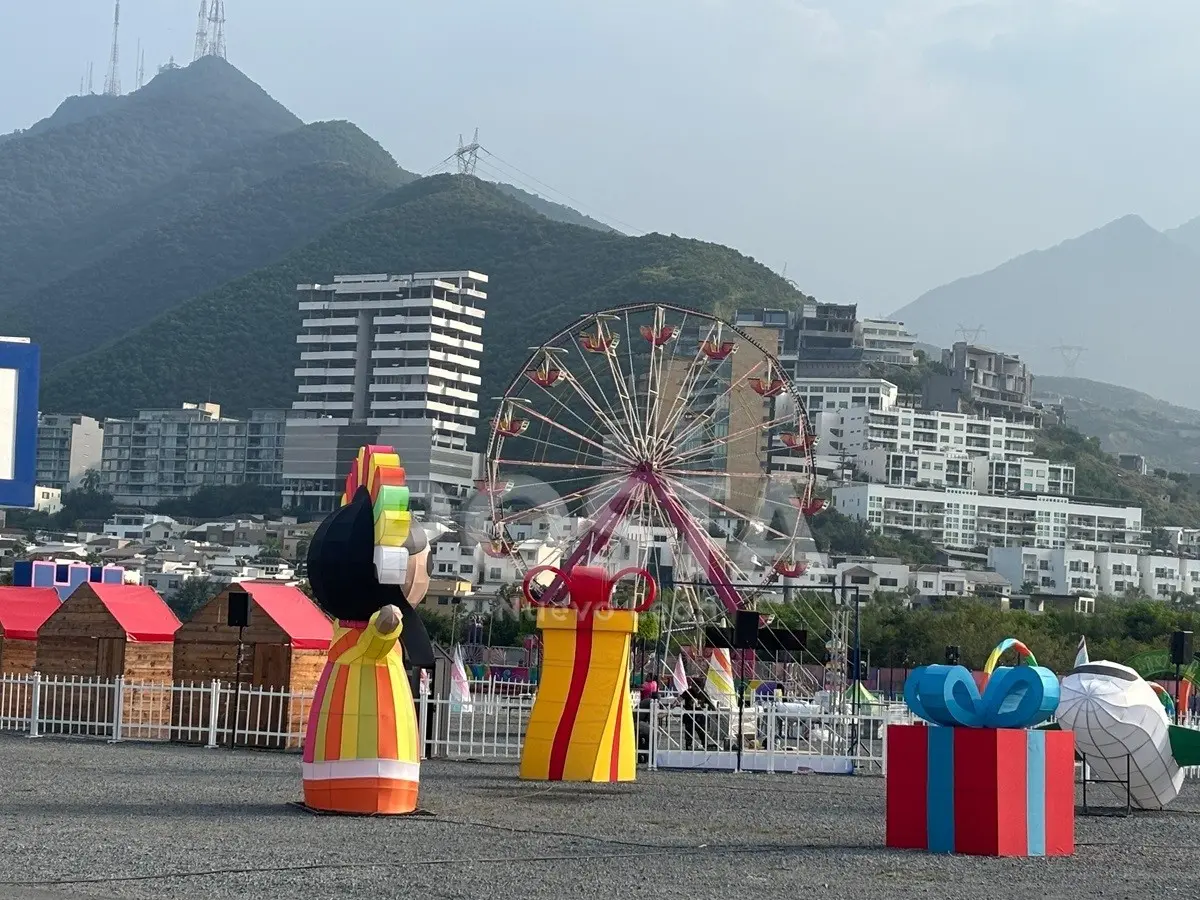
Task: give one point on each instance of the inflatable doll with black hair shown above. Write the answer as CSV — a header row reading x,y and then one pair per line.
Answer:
x,y
368,568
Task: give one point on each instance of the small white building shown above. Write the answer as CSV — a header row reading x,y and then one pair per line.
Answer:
x,y
936,582
47,500
885,341
145,528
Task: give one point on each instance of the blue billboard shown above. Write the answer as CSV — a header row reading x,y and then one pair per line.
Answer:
x,y
19,367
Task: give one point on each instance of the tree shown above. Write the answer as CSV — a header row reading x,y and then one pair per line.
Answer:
x,y
270,549
192,595
90,481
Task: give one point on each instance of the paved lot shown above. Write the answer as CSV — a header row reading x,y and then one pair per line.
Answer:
x,y
86,819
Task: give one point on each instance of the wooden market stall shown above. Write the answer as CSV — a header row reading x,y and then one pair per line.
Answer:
x,y
284,649
100,633
23,610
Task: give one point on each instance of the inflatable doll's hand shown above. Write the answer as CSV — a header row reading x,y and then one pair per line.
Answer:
x,y
388,619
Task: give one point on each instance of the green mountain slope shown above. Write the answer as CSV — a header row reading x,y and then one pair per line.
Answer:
x,y
168,265
1128,421
222,175
551,210
237,344
58,178
72,110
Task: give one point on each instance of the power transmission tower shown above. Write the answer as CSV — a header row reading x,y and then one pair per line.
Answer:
x,y
467,156
112,84
201,32
91,89
141,69
970,335
1070,356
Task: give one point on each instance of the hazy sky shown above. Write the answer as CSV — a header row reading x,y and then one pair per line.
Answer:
x,y
877,147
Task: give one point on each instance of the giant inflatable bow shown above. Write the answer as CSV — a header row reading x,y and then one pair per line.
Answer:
x,y
367,564
981,778
581,725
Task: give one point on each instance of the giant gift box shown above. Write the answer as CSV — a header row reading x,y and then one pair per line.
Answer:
x,y
981,791
980,779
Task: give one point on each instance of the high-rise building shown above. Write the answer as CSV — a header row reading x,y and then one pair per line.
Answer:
x,y
387,359
67,446
163,454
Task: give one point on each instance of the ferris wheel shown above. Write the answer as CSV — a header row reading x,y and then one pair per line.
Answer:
x,y
661,437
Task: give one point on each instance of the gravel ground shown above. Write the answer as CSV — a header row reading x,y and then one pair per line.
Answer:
x,y
86,819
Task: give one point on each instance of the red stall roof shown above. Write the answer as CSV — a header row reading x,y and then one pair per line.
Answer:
x,y
140,611
291,610
24,609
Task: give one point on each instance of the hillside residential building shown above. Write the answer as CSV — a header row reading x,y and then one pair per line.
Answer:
x,y
937,582
964,519
983,380
1069,570
164,454
904,430
931,468
387,359
67,446
830,394
884,341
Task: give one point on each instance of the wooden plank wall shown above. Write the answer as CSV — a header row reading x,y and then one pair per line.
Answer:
x,y
17,657
61,654
208,626
307,666
82,615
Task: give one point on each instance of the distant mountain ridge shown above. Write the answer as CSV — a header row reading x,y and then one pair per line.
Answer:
x,y
1124,292
1129,421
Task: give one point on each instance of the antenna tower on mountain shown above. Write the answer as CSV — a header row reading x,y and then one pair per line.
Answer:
x,y
1070,356
140,80
467,156
91,78
201,32
112,84
216,29
970,335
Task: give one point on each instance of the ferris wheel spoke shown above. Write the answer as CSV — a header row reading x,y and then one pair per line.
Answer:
x,y
559,404
703,414
725,439
613,415
537,414
536,464
705,498
583,493
688,385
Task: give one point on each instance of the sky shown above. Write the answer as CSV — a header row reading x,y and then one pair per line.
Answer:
x,y
876,148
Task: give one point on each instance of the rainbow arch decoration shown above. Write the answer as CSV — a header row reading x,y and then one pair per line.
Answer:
x,y
378,469
1164,697
1003,647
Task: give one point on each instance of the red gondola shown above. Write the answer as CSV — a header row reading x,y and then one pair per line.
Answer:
x,y
789,568
499,548
510,427
600,342
546,375
660,337
797,441
772,388
717,350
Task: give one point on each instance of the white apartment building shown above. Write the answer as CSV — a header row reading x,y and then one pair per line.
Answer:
x,y
67,446
885,341
965,519
163,454
47,500
387,359
831,394
1070,570
931,582
932,468
906,430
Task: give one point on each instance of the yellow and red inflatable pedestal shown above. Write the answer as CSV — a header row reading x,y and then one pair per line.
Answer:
x,y
581,725
360,751
981,791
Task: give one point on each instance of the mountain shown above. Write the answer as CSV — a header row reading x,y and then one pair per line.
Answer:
x,y
57,179
193,254
1128,421
70,111
1125,292
552,210
237,344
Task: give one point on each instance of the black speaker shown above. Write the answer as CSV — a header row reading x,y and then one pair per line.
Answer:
x,y
1181,648
745,630
238,613
952,655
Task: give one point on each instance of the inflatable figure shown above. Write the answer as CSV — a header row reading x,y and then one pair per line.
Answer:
x,y
1115,714
367,564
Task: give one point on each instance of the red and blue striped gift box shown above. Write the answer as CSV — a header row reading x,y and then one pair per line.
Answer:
x,y
981,791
